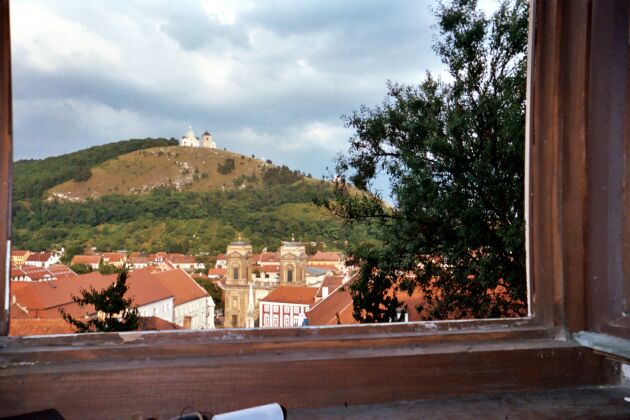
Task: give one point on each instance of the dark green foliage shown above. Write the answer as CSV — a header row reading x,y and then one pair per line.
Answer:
x,y
214,291
280,175
107,268
82,175
32,177
226,167
81,268
115,312
454,155
168,220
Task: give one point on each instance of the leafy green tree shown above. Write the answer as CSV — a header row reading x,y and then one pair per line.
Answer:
x,y
214,291
105,269
453,152
115,312
81,268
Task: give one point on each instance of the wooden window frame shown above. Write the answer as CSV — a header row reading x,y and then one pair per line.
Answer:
x,y
448,357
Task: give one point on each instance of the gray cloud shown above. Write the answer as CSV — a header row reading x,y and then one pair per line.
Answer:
x,y
266,78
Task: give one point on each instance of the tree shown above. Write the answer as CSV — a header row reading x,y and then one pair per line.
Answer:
x,y
453,152
115,313
213,290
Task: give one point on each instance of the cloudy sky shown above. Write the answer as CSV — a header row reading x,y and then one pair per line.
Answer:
x,y
266,78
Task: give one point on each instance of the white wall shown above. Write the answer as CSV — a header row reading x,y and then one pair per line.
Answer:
x,y
200,310
162,309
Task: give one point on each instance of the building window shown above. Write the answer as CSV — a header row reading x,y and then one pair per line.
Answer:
x,y
289,275
235,273
296,321
286,322
276,320
266,320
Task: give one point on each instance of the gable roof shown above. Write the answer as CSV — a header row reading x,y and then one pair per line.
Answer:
x,y
39,257
86,259
292,294
180,285
326,256
339,302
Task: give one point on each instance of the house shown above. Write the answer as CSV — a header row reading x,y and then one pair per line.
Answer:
x,y
45,299
41,259
18,257
117,259
138,262
327,259
193,307
286,306
185,262
216,273
221,261
92,261
33,273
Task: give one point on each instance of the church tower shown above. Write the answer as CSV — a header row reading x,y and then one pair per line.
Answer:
x,y
237,283
206,141
292,264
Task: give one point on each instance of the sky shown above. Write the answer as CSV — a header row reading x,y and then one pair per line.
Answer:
x,y
269,78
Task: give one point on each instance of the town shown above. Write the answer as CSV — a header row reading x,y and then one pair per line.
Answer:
x,y
286,288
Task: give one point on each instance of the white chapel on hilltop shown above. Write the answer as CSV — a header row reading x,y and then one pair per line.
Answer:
x,y
189,139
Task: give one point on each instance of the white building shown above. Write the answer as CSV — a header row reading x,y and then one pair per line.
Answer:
x,y
193,307
190,140
286,306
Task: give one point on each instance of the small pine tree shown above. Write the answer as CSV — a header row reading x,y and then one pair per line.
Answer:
x,y
117,312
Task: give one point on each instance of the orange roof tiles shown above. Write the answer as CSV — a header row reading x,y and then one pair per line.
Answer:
x,y
113,257
336,308
269,257
39,257
292,294
326,256
180,285
217,272
86,259
22,327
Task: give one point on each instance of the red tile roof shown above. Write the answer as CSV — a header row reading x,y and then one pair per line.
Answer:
x,y
217,272
86,259
292,294
39,257
335,309
180,285
181,259
326,256
113,257
22,327
269,257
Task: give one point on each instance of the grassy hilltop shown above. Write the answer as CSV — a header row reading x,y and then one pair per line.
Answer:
x,y
148,195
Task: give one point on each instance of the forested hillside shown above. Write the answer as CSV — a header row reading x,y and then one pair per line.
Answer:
x,y
32,177
275,205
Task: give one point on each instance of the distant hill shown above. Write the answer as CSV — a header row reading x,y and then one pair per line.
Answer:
x,y
148,195
182,168
32,177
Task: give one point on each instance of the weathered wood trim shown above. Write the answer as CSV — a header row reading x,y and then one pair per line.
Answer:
x,y
306,378
608,103
557,177
6,156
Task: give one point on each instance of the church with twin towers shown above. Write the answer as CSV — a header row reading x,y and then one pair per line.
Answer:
x,y
190,140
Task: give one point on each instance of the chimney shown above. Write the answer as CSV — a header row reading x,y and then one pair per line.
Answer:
x,y
324,292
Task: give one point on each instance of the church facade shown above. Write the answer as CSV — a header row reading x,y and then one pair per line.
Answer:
x,y
244,289
190,140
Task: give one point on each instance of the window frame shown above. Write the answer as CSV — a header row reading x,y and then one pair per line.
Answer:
x,y
555,277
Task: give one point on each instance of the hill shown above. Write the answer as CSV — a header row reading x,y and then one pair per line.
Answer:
x,y
182,168
170,198
32,177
